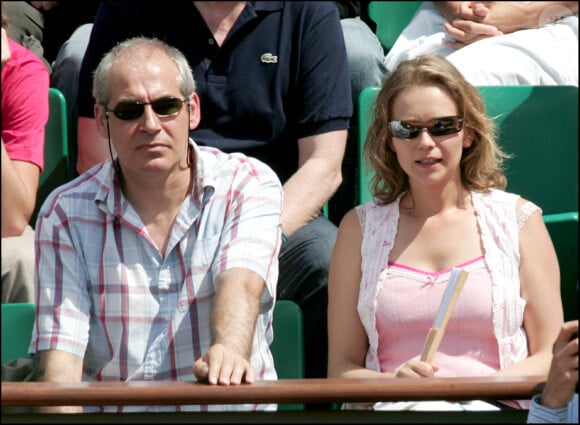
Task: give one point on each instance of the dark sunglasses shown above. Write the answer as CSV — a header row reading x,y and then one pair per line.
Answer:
x,y
440,127
130,110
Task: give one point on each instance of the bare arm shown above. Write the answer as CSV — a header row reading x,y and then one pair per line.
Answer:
x,y
92,147
234,316
540,287
19,188
347,338
318,177
60,366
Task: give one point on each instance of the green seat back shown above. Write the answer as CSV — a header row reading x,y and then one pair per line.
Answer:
x,y
391,18
366,101
56,162
537,125
563,228
17,324
288,344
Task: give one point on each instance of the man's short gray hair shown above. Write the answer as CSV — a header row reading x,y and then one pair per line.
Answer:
x,y
101,75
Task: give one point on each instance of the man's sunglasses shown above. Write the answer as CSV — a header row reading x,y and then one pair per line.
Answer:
x,y
130,110
437,127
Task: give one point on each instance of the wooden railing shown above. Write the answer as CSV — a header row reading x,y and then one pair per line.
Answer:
x,y
283,391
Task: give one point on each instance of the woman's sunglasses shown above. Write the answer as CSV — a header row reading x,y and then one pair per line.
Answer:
x,y
439,127
130,110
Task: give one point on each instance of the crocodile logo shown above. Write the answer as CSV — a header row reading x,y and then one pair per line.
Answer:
x,y
269,58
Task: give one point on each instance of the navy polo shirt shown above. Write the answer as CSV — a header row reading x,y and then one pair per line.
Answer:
x,y
281,74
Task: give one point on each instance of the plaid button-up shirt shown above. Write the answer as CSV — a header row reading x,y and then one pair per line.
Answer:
x,y
105,292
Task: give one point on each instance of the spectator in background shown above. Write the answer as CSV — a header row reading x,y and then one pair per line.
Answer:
x,y
497,43
439,203
558,402
58,32
160,263
25,83
27,27
44,26
61,19
363,48
67,30
366,64
273,83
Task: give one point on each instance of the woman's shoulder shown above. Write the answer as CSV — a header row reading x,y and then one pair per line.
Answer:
x,y
494,196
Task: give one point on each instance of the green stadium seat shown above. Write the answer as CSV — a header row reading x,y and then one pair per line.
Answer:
x,y
563,228
288,344
366,101
56,162
538,125
391,18
17,324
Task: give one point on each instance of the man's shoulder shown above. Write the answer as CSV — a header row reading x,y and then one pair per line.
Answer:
x,y
86,185
23,57
216,163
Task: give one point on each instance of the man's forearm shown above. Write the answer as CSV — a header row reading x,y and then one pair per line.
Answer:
x,y
59,366
236,308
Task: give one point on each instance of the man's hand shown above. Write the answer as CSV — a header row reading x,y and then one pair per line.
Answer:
x,y
222,365
563,374
467,32
469,24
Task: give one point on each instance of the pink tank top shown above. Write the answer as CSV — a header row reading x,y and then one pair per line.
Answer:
x,y
407,305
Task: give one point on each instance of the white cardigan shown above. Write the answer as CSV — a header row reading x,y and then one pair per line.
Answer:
x,y
499,225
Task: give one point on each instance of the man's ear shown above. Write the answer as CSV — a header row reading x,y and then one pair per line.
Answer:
x,y
102,118
194,111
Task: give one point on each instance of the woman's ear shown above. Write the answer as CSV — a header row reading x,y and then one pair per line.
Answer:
x,y
468,138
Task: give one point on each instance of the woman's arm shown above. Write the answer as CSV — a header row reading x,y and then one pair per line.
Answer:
x,y
540,287
347,338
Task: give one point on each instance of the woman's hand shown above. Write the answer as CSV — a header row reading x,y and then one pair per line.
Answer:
x,y
417,369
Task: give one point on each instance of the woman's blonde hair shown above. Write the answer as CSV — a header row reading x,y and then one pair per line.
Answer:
x,y
481,163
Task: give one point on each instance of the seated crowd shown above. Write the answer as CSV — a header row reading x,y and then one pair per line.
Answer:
x,y
210,138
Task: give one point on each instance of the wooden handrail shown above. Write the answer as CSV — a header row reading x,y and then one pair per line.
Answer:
x,y
281,391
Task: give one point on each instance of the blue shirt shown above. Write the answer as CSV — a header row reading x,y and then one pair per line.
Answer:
x,y
281,73
539,414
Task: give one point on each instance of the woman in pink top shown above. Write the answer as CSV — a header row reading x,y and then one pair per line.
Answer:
x,y
439,203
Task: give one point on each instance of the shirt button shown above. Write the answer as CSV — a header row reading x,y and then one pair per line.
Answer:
x,y
210,41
